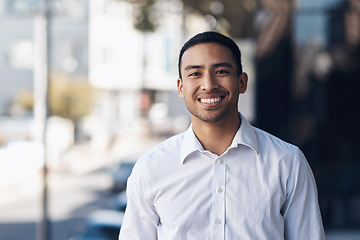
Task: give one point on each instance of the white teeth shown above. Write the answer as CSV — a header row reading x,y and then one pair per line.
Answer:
x,y
210,100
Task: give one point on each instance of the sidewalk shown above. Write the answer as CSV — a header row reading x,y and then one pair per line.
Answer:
x,y
343,235
79,160
83,158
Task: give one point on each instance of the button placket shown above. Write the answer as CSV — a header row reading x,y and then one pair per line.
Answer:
x,y
218,199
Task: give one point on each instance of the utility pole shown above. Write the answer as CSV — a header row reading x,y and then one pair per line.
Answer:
x,y
41,80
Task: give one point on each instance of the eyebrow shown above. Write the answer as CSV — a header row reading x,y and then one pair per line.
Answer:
x,y
188,67
223,64
216,65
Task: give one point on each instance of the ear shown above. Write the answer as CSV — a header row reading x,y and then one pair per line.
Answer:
x,y
180,88
243,80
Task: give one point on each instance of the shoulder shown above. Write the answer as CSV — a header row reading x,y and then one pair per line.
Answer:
x,y
161,156
284,157
271,144
278,152
169,147
152,166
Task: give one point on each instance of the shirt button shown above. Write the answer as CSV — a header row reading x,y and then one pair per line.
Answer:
x,y
221,161
218,221
219,190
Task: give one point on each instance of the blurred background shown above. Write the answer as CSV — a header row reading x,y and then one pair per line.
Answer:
x,y
89,85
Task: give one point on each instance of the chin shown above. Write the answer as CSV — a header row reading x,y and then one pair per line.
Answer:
x,y
209,119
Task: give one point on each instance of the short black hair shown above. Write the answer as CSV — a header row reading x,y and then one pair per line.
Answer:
x,y
213,37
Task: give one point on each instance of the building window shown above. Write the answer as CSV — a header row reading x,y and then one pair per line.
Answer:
x,y
21,55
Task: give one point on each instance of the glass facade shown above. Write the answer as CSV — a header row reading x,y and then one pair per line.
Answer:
x,y
308,93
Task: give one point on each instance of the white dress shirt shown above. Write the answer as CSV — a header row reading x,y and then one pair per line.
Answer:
x,y
259,188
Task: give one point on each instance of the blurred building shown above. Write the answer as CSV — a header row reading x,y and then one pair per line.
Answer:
x,y
135,71
68,56
68,40
308,71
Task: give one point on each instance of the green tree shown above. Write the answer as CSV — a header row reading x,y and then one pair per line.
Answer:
x,y
25,99
69,97
236,16
145,15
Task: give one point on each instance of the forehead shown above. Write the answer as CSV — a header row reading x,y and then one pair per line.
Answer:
x,y
207,53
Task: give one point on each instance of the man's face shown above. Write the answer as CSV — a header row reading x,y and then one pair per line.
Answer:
x,y
210,85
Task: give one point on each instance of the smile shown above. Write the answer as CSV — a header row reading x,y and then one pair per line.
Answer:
x,y
210,100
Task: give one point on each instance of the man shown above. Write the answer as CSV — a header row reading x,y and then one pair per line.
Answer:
x,y
222,178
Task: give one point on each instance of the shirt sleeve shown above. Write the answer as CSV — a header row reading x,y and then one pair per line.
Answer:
x,y
301,210
140,220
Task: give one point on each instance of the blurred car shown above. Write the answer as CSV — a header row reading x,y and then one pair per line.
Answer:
x,y
119,202
100,225
120,175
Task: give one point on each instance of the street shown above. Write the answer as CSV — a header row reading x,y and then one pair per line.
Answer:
x,y
75,191
71,198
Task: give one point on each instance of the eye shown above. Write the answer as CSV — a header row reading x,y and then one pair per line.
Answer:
x,y
221,71
194,74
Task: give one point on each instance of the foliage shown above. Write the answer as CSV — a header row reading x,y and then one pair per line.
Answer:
x,y
145,15
69,97
25,99
236,16
146,20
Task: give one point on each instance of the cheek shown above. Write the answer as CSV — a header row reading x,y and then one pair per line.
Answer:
x,y
188,90
232,87
187,94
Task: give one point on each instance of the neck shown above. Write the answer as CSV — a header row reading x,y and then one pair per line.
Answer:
x,y
216,137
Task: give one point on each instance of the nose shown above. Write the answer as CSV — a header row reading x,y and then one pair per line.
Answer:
x,y
209,82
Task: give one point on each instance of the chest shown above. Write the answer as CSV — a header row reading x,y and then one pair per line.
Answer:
x,y
232,189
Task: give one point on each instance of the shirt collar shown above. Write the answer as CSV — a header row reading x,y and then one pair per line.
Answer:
x,y
190,144
244,136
